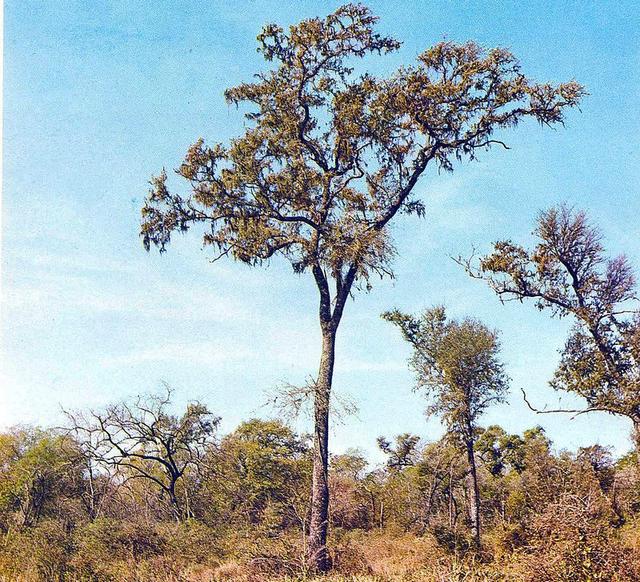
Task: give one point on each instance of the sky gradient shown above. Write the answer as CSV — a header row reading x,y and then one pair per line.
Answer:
x,y
98,96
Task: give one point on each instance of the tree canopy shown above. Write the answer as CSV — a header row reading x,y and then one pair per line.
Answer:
x,y
456,365
145,440
330,156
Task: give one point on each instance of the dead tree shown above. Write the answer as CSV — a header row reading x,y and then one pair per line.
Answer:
x,y
142,440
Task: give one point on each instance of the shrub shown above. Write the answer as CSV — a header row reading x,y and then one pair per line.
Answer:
x,y
39,553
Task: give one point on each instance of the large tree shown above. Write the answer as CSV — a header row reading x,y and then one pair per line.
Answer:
x,y
457,367
330,156
568,274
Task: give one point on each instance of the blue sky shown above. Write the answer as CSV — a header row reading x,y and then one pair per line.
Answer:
x,y
98,96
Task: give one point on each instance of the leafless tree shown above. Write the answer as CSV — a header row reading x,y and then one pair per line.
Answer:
x,y
142,440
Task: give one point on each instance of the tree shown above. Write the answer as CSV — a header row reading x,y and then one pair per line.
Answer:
x,y
354,492
264,465
599,458
568,274
456,365
144,441
330,158
420,482
500,451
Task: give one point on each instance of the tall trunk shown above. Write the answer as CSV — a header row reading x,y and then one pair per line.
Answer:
x,y
318,557
474,493
636,437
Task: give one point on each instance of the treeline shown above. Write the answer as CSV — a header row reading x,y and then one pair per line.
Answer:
x,y
134,492
103,501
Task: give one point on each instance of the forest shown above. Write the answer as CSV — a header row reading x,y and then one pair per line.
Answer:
x,y
327,159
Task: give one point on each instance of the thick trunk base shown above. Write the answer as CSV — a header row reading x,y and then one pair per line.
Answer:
x,y
317,553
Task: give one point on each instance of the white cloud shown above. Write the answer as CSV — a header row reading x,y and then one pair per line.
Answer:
x,y
73,294
211,354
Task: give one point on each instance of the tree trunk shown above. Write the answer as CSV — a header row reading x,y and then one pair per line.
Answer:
x,y
636,437
318,558
451,501
176,507
474,493
92,494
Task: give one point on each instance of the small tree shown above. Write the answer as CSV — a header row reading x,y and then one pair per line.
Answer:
x,y
263,465
456,365
568,274
144,441
330,157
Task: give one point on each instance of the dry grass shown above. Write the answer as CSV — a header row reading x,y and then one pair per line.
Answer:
x,y
358,557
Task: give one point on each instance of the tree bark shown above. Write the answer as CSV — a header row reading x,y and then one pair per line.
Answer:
x,y
636,437
176,509
474,492
318,557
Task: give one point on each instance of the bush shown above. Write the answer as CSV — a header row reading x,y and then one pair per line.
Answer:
x,y
39,553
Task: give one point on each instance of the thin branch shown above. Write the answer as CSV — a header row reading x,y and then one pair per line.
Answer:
x,y
575,412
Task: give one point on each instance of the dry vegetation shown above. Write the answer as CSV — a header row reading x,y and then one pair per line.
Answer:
x,y
546,515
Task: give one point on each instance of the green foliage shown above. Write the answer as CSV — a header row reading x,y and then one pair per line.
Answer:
x,y
329,157
40,553
38,467
547,516
352,463
403,453
500,451
111,540
265,468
